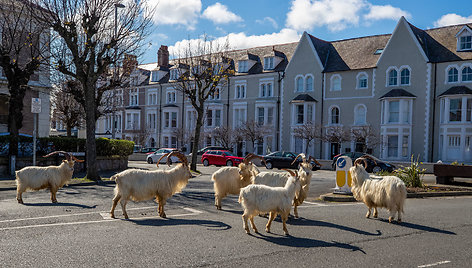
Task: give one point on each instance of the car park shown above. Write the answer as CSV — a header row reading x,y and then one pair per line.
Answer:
x,y
154,157
372,166
220,158
284,159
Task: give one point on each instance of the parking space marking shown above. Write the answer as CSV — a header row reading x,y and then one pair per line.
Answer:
x,y
433,264
313,204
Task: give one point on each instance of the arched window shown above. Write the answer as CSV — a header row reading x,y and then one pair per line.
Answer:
x,y
334,115
392,77
405,77
362,81
359,115
452,75
467,74
335,83
299,84
309,83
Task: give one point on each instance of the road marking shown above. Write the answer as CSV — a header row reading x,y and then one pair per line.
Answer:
x,y
313,204
433,264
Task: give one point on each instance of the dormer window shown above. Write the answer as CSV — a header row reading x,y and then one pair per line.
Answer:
x,y
174,74
154,76
268,63
465,42
243,66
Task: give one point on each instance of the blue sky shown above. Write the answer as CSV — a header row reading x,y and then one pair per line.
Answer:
x,y
250,23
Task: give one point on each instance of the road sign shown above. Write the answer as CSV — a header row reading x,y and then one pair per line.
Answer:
x,y
343,176
35,105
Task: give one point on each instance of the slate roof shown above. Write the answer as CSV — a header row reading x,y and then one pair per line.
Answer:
x,y
457,90
396,93
304,97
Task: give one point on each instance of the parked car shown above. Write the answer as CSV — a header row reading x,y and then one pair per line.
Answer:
x,y
203,150
372,167
148,150
220,158
283,159
153,157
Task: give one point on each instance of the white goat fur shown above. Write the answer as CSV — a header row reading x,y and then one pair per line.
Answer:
x,y
258,198
378,191
140,185
277,179
230,180
37,178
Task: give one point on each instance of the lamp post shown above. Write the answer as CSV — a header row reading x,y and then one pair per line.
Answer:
x,y
113,119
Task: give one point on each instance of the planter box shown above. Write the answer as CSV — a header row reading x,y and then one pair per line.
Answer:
x,y
445,173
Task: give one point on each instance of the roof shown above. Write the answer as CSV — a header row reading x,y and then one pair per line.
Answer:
x,y
304,97
457,90
398,93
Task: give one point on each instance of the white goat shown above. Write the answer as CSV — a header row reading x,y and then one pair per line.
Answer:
x,y
257,198
140,185
276,179
230,180
378,191
51,177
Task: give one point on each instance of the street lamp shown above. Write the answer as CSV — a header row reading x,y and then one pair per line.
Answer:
x,y
113,128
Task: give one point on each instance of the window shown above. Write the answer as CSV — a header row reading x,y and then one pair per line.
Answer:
x,y
152,121
152,98
215,95
309,112
309,83
173,122
378,51
392,146
405,77
239,115
454,141
405,146
465,42
260,116
171,98
334,115
154,76
174,74
268,63
362,81
270,115
133,97
217,118
298,145
132,121
265,90
299,84
467,74
166,119
394,112
469,110
240,92
359,115
392,77
243,66
335,82
455,110
300,114
269,90
173,142
209,117
452,75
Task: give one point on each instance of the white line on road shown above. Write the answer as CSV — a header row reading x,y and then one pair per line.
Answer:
x,y
313,204
433,264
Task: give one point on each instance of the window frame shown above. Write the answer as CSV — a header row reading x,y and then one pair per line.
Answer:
x,y
334,82
362,76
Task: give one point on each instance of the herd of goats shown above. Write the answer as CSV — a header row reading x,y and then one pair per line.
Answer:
x,y
259,192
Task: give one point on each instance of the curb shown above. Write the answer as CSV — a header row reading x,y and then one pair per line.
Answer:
x,y
330,197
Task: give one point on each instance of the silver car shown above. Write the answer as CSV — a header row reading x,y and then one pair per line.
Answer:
x,y
152,158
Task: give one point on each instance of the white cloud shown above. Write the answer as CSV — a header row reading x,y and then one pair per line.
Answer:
x,y
269,20
451,19
386,12
336,15
241,40
220,14
182,12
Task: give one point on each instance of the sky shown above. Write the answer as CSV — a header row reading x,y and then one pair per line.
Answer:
x,y
251,23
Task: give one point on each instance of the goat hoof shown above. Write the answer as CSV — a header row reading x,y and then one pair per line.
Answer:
x,y
54,201
20,201
247,231
218,208
112,215
267,230
390,219
126,217
163,215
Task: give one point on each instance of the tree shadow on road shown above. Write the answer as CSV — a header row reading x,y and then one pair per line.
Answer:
x,y
308,222
58,205
300,242
420,227
211,225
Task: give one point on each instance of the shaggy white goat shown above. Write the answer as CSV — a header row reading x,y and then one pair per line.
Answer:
x,y
51,177
140,185
258,198
380,191
276,179
230,180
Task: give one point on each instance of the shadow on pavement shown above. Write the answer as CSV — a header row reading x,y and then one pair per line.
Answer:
x,y
220,226
420,227
58,205
308,222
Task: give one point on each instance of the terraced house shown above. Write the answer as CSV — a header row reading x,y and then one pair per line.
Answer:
x,y
395,95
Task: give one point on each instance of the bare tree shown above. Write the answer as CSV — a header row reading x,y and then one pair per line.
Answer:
x,y
365,135
335,134
24,47
91,41
223,136
65,108
309,132
201,69
253,131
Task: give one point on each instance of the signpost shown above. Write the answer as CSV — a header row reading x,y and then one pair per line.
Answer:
x,y
343,176
35,109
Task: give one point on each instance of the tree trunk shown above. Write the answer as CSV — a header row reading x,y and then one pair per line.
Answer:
x,y
196,139
15,116
91,149
68,131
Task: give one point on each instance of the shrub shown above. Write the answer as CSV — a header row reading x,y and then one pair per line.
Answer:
x,y
412,174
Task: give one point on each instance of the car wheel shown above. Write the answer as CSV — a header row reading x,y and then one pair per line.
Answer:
x,y
376,169
206,163
269,165
149,160
229,163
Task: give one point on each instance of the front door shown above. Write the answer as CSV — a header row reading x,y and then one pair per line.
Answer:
x,y
334,149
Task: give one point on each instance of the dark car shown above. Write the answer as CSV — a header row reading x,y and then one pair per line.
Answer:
x,y
220,158
282,159
372,166
148,150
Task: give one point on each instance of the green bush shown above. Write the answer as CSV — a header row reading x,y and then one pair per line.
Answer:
x,y
108,147
412,174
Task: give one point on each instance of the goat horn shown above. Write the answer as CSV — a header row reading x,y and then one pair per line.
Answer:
x,y
370,157
314,160
158,161
250,156
76,159
179,155
358,161
66,154
300,155
292,173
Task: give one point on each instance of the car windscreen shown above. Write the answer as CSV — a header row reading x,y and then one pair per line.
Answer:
x,y
229,154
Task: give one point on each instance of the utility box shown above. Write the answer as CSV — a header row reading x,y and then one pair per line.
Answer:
x,y
343,176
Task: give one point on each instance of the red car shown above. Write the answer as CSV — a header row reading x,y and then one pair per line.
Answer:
x,y
220,158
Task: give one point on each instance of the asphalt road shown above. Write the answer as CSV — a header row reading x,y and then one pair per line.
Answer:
x,y
77,232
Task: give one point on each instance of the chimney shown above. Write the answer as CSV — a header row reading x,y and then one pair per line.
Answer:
x,y
130,63
163,56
